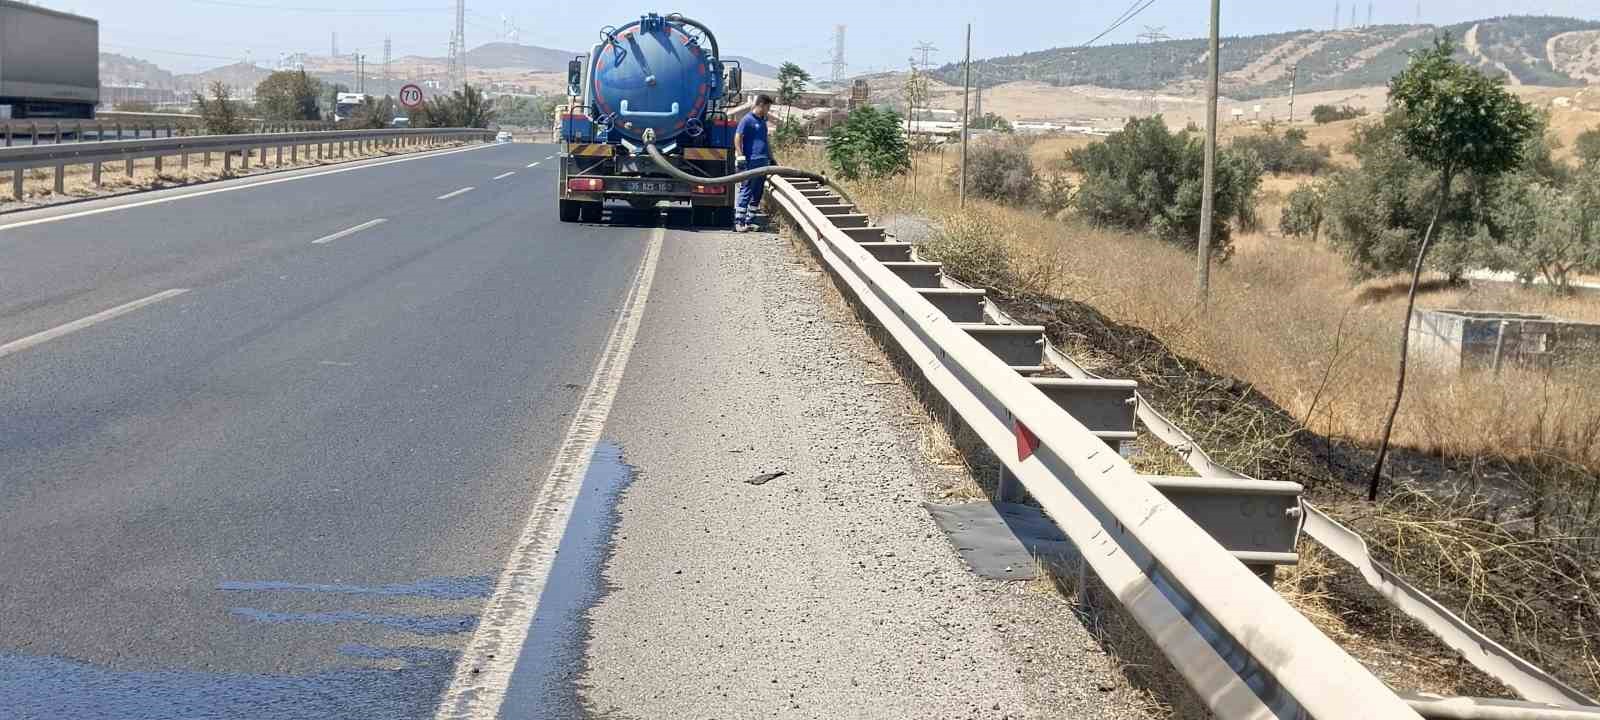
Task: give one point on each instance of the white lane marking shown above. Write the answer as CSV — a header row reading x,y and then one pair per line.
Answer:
x,y
535,163
349,231
449,195
232,188
483,672
503,176
16,346
550,157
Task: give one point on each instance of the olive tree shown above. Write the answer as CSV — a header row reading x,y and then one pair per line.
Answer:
x,y
1455,120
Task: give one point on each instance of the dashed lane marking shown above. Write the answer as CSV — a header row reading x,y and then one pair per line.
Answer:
x,y
16,346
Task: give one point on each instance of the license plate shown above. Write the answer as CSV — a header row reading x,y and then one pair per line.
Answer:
x,y
650,186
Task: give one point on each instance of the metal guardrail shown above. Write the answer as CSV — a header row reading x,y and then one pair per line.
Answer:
x,y
128,126
335,143
1241,647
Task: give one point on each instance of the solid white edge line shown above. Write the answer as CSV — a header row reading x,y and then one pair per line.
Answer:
x,y
503,176
16,346
232,188
462,191
483,672
349,231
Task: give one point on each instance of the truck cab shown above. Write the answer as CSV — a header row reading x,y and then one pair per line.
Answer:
x,y
653,78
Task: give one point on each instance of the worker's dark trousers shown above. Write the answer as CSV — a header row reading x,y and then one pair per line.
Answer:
x,y
750,192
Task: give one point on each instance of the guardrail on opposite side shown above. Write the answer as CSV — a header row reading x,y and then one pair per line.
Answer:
x,y
330,143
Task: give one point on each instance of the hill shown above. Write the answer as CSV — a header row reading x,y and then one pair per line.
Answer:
x,y
752,66
239,75
521,57
121,70
1527,50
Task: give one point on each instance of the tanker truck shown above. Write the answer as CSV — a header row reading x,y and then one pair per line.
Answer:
x,y
658,79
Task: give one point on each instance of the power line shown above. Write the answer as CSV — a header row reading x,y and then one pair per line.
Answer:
x,y
1132,12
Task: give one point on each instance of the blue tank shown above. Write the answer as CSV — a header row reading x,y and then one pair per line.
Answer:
x,y
653,74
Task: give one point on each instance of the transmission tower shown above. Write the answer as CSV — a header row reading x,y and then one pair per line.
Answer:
x,y
1352,14
388,54
838,53
1369,14
1153,34
458,48
926,49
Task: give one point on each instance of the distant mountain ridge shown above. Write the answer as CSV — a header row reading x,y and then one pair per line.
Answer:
x,y
1525,49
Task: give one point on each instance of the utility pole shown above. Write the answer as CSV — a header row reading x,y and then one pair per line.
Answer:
x,y
1208,191
1369,13
1336,14
1294,74
1352,14
333,48
966,121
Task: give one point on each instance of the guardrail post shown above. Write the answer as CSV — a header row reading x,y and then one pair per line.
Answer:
x,y
95,173
61,178
244,159
263,156
294,154
58,132
128,167
33,133
99,131
207,161
8,134
280,156
183,162
227,162
119,131
16,184
158,165
319,151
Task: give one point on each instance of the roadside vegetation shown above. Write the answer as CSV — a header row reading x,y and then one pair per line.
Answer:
x,y
1286,373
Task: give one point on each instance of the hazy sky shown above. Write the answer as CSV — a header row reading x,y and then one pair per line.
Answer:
x,y
189,35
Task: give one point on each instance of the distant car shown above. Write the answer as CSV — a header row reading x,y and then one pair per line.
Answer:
x,y
504,136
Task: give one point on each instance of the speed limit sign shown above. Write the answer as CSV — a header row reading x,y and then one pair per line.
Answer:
x,y
411,96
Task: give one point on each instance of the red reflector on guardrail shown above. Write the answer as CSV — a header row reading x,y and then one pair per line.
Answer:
x,y
585,184
1027,442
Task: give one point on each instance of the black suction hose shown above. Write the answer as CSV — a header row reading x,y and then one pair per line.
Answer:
x,y
739,177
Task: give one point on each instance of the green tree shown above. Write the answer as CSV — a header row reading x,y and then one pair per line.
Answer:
x,y
1302,216
1588,146
869,143
1453,119
219,113
463,108
792,80
1550,231
288,96
374,114
1145,177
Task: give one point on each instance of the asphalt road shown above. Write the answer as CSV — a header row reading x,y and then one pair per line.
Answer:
x,y
282,482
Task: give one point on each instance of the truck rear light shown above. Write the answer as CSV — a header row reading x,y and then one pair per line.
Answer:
x,y
708,190
585,184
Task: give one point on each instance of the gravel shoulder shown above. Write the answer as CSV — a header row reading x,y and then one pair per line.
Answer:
x,y
827,592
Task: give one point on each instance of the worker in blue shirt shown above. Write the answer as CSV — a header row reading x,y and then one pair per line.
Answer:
x,y
752,151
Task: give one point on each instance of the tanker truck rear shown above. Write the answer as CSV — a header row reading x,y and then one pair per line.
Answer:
x,y
661,78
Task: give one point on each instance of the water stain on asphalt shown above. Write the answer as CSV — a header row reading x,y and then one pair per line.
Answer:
x,y
443,588
544,684
39,688
418,625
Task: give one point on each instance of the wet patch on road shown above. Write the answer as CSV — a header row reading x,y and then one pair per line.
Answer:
x,y
423,625
445,588
35,688
545,682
